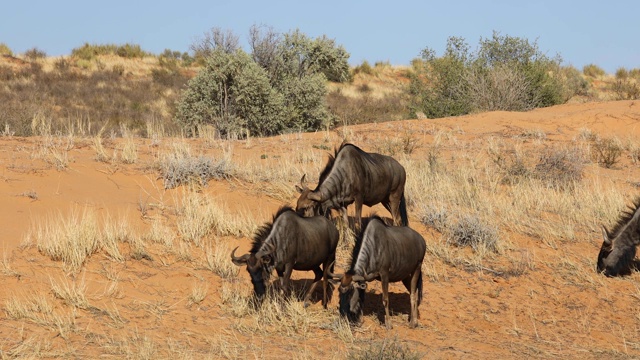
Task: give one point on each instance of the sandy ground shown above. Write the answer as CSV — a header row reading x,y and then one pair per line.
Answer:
x,y
140,307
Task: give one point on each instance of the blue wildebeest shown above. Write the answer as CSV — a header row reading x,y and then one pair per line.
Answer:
x,y
355,176
618,249
388,254
291,242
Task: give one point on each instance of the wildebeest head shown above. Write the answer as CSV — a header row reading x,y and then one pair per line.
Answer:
x,y
259,267
309,202
351,290
616,254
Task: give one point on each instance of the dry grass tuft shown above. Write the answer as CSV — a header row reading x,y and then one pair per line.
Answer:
x,y
70,240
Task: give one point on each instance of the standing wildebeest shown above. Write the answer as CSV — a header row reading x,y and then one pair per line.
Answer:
x,y
291,242
355,176
619,246
388,254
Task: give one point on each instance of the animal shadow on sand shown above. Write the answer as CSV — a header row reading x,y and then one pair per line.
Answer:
x,y
399,303
299,288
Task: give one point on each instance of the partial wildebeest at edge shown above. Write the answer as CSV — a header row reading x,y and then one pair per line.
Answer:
x,y
355,176
291,242
619,246
388,254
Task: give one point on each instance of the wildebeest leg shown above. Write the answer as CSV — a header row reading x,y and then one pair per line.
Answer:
x,y
394,207
325,274
284,280
358,224
407,284
413,321
384,278
319,274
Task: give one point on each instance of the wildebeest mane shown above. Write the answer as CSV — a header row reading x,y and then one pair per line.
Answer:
x,y
359,239
624,219
263,231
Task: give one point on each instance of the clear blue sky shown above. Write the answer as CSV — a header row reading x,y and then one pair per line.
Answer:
x,y
582,32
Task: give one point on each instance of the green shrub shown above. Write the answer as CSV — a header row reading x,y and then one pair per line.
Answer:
x,y
280,87
5,49
593,70
232,93
505,73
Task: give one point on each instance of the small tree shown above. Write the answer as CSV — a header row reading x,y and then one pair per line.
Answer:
x,y
231,93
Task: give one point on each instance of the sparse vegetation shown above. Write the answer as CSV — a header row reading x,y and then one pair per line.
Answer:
x,y
606,151
593,70
505,73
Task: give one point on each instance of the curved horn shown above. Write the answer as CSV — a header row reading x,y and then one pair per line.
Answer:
x,y
303,181
357,278
332,275
606,236
242,260
370,277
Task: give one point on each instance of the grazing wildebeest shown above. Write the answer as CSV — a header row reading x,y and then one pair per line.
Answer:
x,y
388,254
355,176
291,242
619,246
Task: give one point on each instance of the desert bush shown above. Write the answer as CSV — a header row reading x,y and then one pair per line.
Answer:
x,y
436,217
505,73
179,169
501,87
606,151
510,162
363,68
574,83
560,168
232,93
279,88
5,50
622,73
626,89
635,73
593,70
471,230
91,51
387,349
34,54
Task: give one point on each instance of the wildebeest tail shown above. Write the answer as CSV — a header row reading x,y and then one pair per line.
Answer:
x,y
403,211
420,287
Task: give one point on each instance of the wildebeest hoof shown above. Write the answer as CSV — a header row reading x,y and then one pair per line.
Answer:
x,y
306,304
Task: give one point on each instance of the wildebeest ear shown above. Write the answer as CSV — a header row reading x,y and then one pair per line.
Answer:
x,y
314,196
605,236
299,189
266,259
